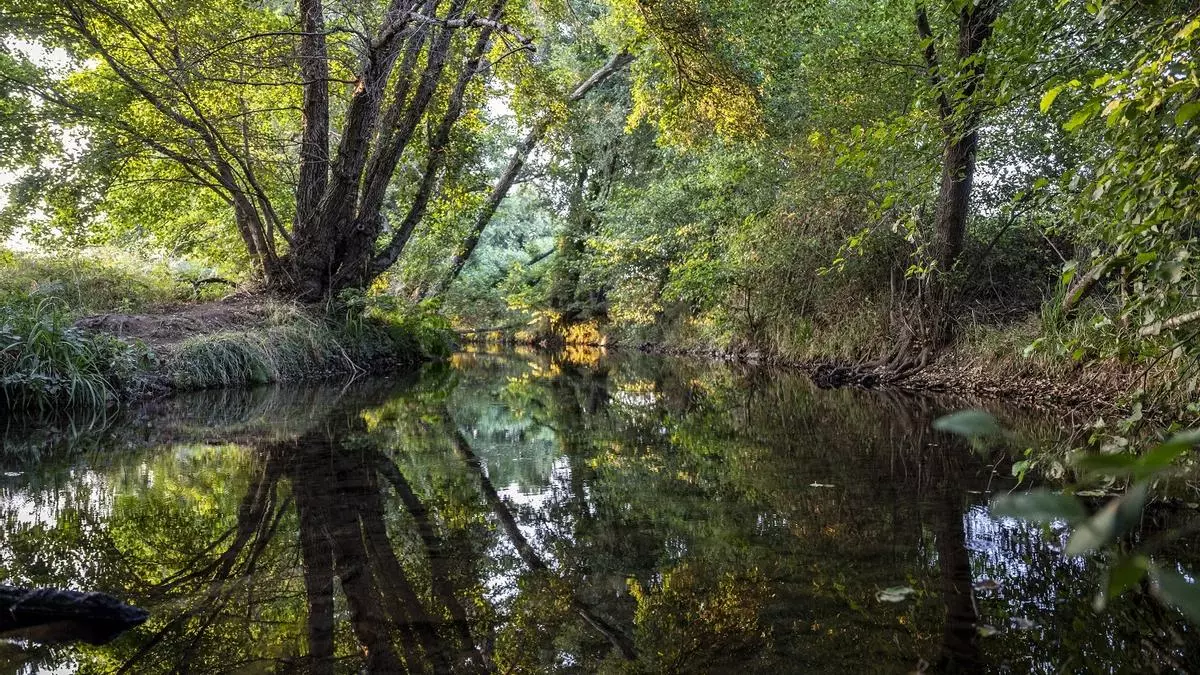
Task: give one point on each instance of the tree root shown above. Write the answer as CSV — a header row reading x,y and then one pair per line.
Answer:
x,y
898,365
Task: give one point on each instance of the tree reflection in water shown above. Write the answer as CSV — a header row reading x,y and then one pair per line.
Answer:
x,y
521,513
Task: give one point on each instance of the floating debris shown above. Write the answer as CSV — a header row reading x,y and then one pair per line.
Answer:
x,y
1023,623
986,585
895,594
819,485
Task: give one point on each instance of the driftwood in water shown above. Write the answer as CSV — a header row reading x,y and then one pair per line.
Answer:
x,y
50,616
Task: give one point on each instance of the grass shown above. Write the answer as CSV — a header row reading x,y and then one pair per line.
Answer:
x,y
291,346
99,281
45,362
294,344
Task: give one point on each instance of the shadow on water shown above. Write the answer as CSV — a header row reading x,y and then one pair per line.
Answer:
x,y
524,512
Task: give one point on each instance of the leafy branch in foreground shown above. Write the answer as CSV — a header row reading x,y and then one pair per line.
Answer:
x,y
1103,533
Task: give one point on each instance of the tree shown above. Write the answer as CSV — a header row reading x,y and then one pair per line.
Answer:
x,y
243,101
513,169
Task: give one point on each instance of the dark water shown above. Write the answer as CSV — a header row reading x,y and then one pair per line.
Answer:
x,y
520,513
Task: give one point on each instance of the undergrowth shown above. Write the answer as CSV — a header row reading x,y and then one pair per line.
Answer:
x,y
48,363
293,344
45,362
102,281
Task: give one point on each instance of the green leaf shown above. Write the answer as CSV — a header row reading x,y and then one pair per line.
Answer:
x,y
1175,590
1117,464
1163,456
1039,506
1079,119
1048,98
1186,32
1186,112
1185,440
1114,520
969,423
1127,573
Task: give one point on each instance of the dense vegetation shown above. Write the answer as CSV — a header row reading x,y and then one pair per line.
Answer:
x,y
875,182
208,193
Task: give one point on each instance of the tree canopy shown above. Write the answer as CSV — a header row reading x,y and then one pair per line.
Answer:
x,y
791,177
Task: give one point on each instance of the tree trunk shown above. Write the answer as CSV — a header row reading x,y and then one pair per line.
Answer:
x,y
960,114
954,198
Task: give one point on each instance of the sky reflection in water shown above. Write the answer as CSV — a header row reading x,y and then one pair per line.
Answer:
x,y
533,513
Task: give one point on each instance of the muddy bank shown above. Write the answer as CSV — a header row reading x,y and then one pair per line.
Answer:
x,y
173,324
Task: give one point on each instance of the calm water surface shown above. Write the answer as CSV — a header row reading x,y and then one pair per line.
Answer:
x,y
529,513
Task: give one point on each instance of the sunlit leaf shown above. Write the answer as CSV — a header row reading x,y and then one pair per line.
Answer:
x,y
1048,98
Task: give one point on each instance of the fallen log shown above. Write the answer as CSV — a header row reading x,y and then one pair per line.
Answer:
x,y
52,616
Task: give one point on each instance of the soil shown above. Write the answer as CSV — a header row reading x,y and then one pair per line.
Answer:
x,y
172,325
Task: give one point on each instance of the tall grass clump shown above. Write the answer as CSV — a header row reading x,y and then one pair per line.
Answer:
x,y
293,344
290,345
45,362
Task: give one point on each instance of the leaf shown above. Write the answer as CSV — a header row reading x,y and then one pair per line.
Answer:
x,y
1175,590
969,423
1039,506
895,594
1115,464
1115,519
1078,119
1048,98
1019,468
1161,457
1186,32
1183,439
1186,112
1124,575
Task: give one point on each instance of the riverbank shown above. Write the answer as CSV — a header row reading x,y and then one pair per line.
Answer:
x,y
51,359
989,365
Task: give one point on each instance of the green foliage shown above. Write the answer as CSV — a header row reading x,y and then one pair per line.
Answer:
x,y
95,282
1135,199
45,362
1106,530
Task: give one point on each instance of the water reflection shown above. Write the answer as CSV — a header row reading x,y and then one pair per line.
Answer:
x,y
576,513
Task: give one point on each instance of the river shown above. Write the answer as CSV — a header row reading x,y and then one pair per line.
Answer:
x,y
581,512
